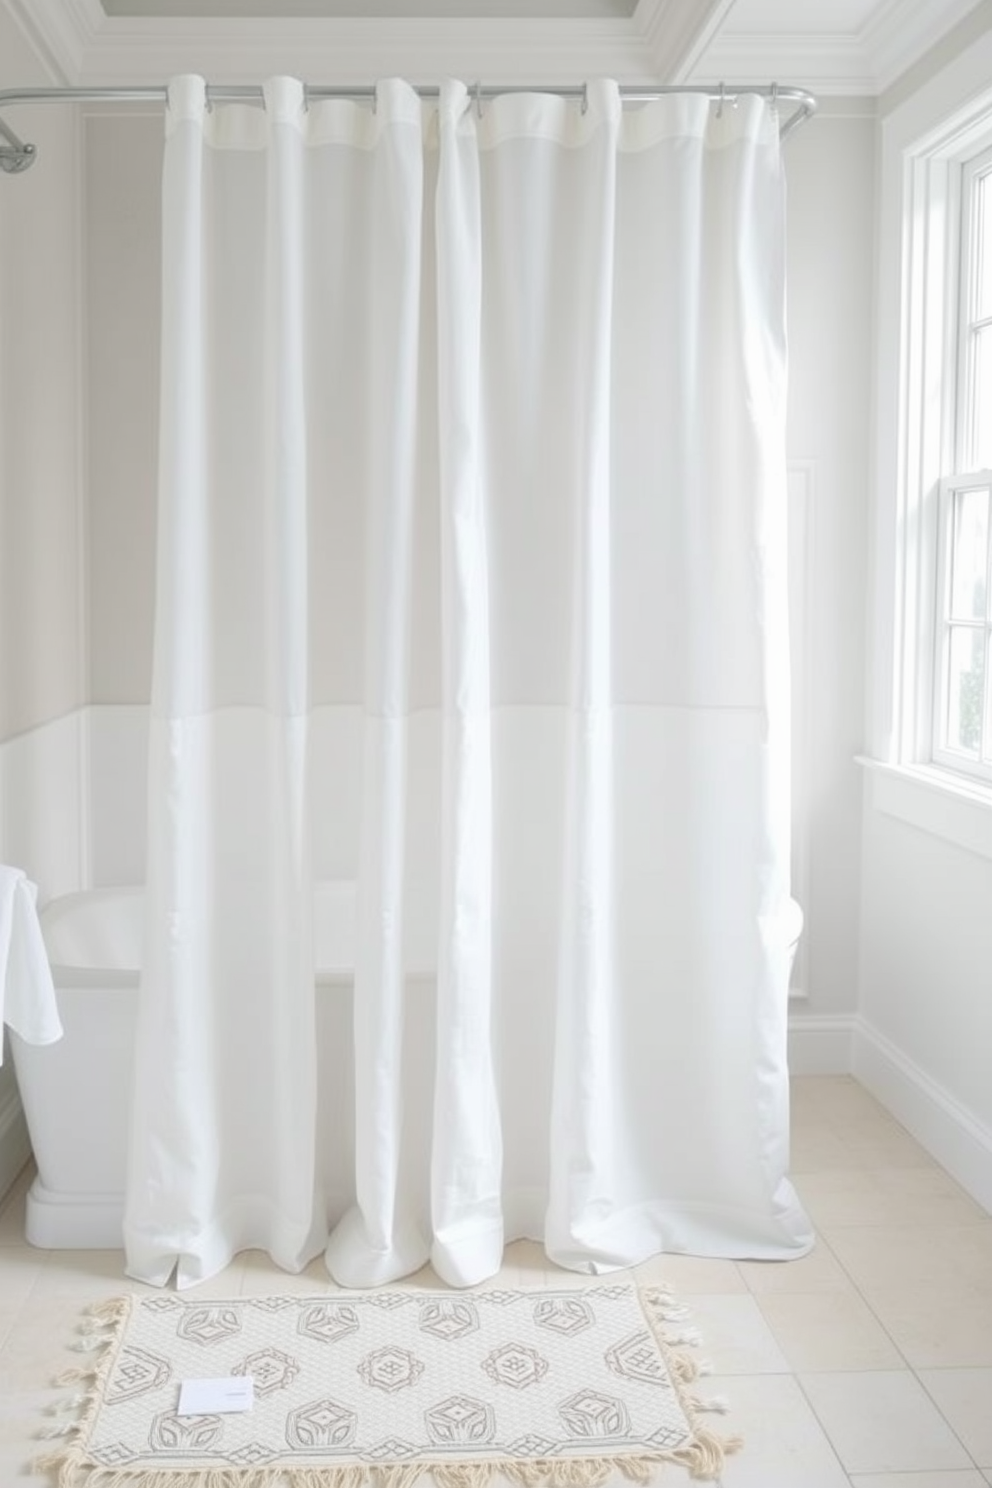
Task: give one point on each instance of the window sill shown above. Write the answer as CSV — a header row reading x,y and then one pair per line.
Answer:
x,y
935,801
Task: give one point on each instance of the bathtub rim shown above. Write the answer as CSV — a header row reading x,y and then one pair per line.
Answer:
x,y
70,976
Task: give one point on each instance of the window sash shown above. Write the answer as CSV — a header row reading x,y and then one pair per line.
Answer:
x,y
973,424
962,705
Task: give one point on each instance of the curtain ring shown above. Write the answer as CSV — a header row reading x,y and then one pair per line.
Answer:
x,y
477,95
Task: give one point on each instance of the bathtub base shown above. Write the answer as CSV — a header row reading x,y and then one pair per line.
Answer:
x,y
73,1221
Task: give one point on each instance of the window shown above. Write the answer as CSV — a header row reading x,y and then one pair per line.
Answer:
x,y
929,715
962,703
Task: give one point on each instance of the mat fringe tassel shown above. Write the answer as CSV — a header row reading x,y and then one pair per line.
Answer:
x,y
102,1331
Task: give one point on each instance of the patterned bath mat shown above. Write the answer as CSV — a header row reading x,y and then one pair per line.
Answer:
x,y
378,1389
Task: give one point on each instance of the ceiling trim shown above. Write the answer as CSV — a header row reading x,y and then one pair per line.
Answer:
x,y
664,41
676,33
59,31
90,48
864,62
897,36
360,51
826,64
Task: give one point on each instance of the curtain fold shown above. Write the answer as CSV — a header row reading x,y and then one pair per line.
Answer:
x,y
471,593
225,1073
380,1238
588,1073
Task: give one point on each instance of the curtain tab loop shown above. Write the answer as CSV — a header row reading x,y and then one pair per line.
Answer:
x,y
454,101
187,97
477,96
285,99
601,99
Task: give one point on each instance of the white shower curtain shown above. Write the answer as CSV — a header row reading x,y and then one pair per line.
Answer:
x,y
471,590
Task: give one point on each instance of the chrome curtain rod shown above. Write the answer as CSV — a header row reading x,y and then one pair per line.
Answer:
x,y
16,155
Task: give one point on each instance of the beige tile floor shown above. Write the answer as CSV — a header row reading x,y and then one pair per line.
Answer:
x,y
867,1364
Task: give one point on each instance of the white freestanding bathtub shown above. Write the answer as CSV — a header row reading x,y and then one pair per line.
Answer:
x,y
76,1092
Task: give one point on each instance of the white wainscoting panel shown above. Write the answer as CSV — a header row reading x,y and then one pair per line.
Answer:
x,y
41,831
45,805
117,748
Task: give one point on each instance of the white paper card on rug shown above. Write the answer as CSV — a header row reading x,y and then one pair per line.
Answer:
x,y
211,1397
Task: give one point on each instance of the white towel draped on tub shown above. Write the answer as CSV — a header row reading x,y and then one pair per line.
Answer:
x,y
27,994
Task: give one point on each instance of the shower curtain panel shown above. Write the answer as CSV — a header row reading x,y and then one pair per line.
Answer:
x,y
471,591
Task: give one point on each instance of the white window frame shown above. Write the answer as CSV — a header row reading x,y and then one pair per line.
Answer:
x,y
932,358
922,144
959,452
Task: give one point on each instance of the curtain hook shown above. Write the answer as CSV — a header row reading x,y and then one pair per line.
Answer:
x,y
774,97
721,98
477,95
306,97
584,107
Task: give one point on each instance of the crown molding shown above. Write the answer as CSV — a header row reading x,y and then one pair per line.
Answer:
x,y
676,33
664,41
844,64
359,51
896,39
59,32
826,64
92,49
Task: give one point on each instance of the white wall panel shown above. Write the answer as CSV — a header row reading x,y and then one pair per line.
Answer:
x,y
45,806
925,1036
41,831
117,746
830,167
42,644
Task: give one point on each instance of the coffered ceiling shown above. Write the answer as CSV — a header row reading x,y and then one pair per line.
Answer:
x,y
829,46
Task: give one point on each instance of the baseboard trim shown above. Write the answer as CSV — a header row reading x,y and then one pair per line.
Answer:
x,y
949,1132
821,1044
15,1146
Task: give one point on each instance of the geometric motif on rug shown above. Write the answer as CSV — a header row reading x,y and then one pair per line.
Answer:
x,y
382,1388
